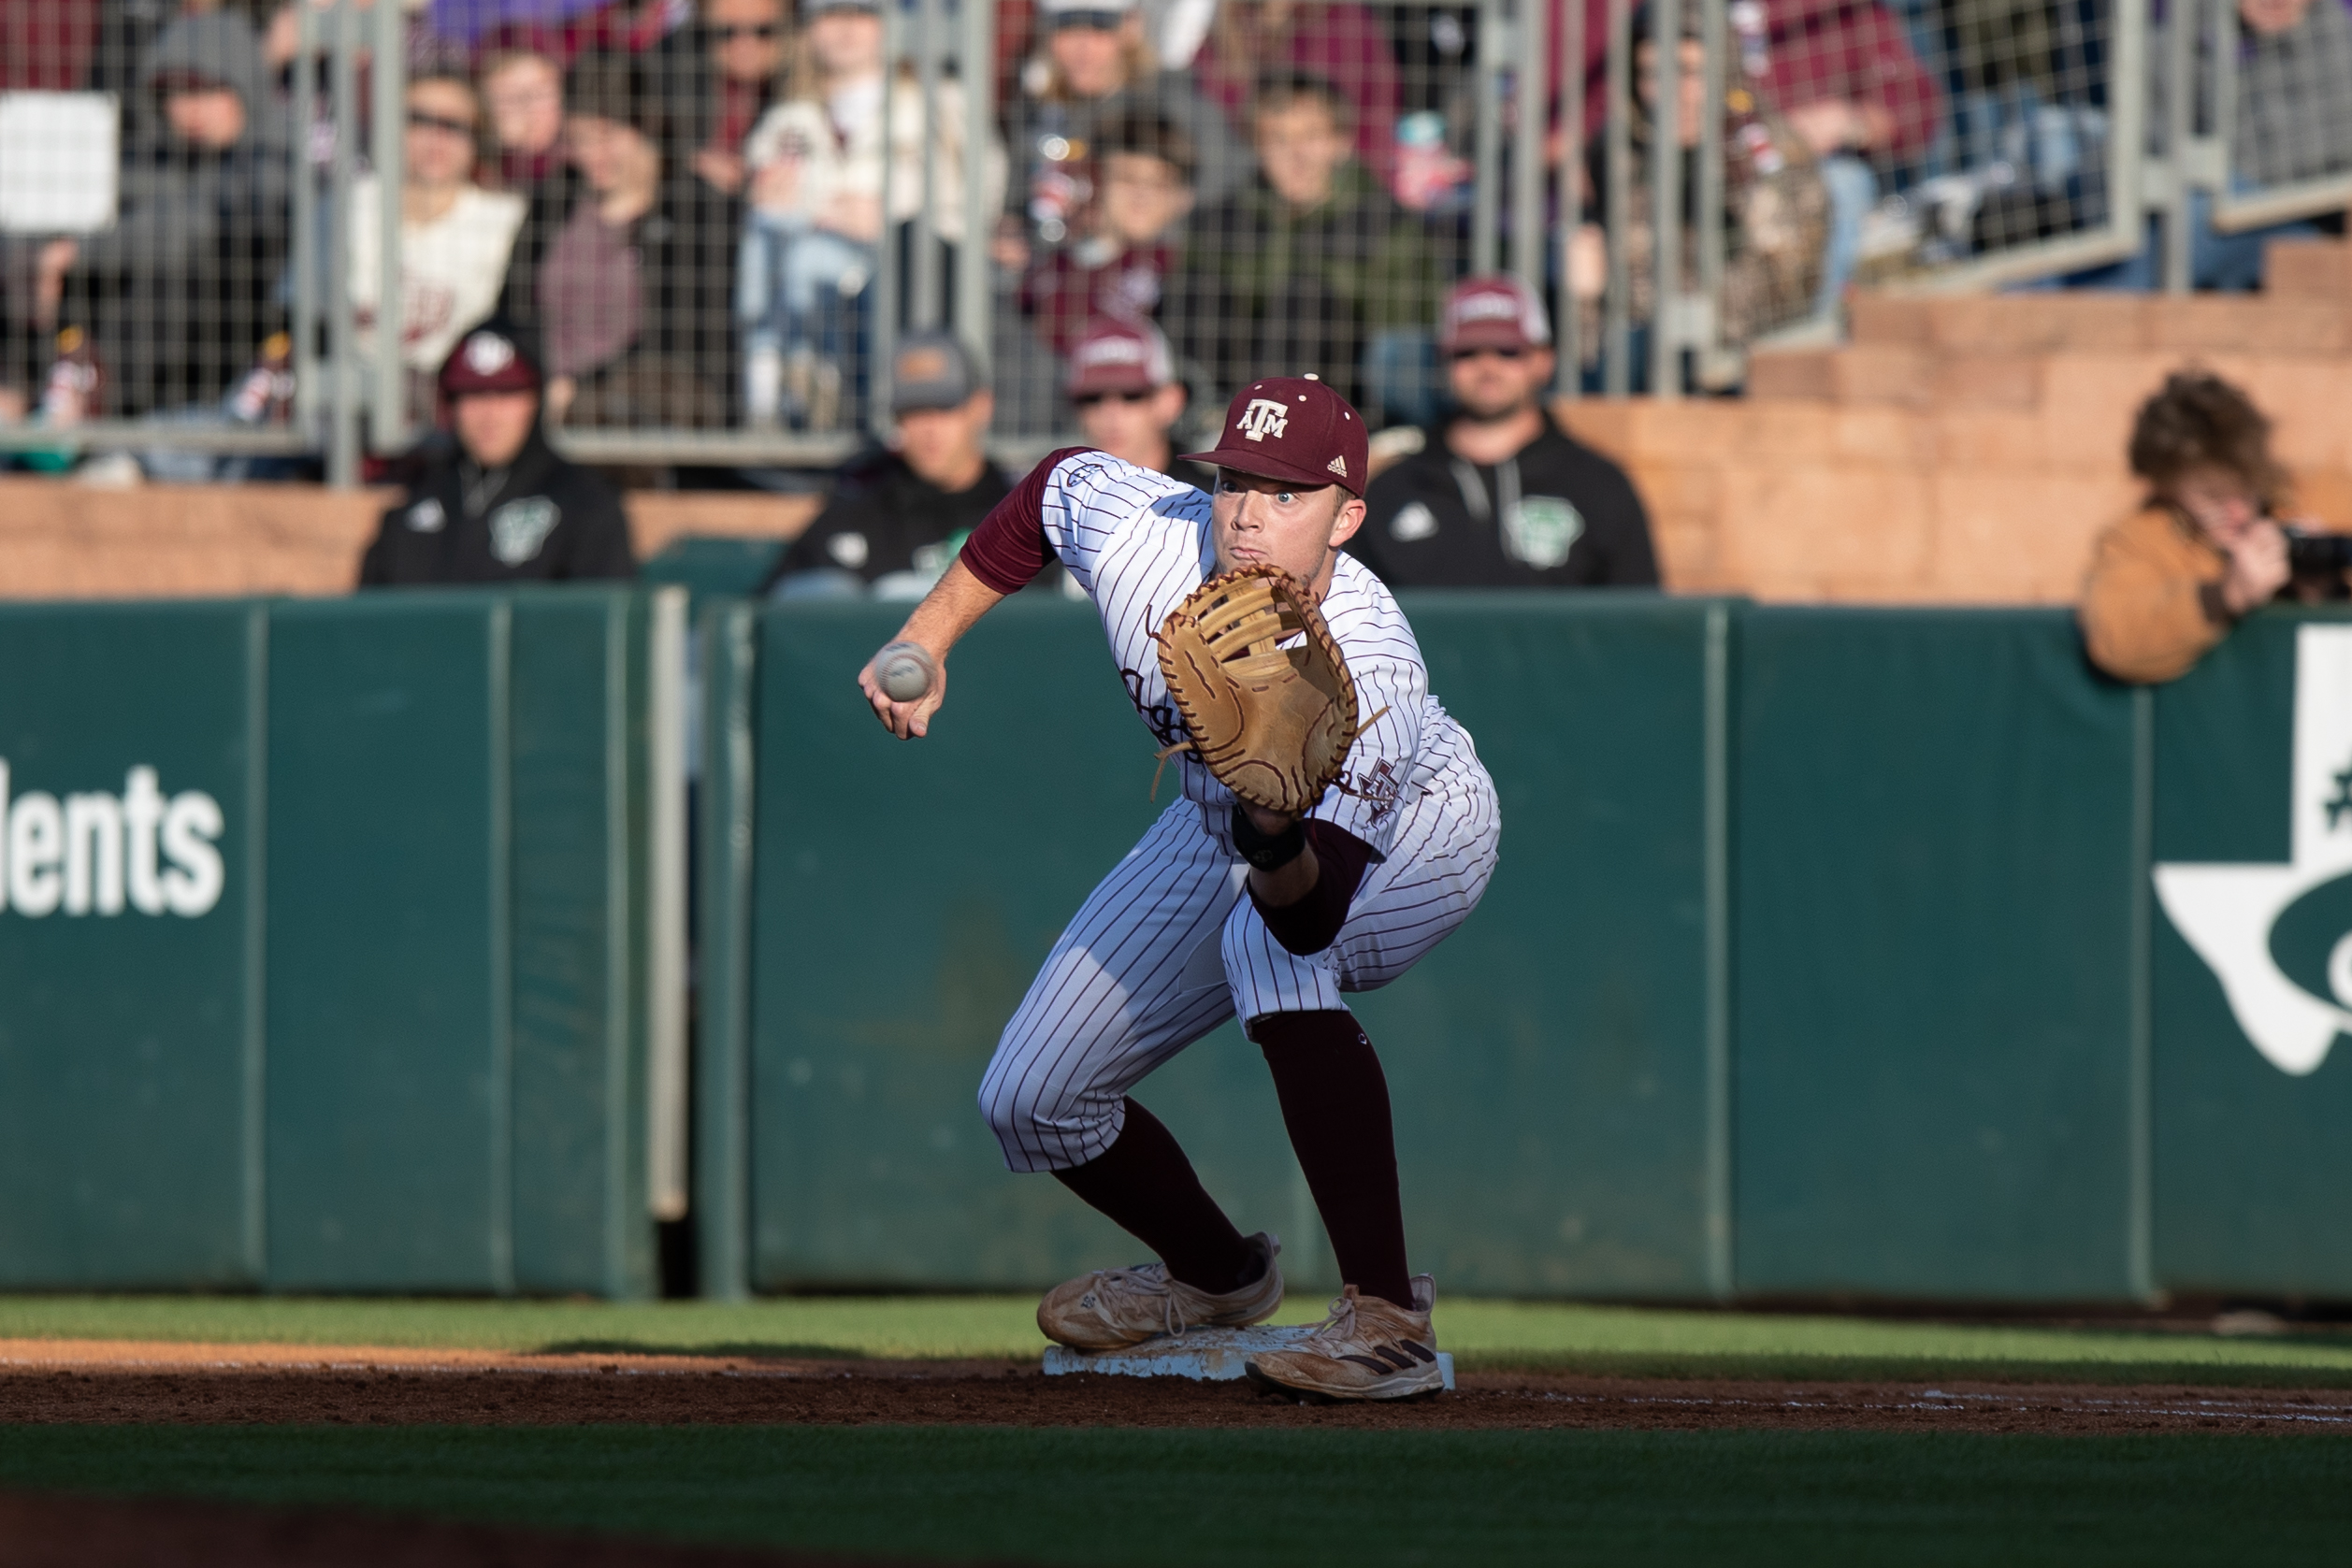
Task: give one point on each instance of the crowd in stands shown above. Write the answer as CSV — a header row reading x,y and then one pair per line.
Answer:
x,y
683,210
685,199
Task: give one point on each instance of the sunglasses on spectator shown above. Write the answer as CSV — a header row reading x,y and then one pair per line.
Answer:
x,y
763,31
1498,351
1089,400
420,121
1100,22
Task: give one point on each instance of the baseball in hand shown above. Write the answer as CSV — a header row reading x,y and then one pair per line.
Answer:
x,y
904,671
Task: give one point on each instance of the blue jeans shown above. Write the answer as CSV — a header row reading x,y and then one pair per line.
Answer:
x,y
2230,262
1853,189
797,287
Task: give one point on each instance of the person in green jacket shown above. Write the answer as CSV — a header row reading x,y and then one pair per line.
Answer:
x,y
1314,269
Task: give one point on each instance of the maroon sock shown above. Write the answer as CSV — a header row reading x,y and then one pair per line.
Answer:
x,y
1335,1102
1147,1188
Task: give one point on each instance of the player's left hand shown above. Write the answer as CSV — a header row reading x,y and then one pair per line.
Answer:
x,y
1269,823
908,721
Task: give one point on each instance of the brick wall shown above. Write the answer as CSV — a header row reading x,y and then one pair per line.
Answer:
x,y
63,540
1968,450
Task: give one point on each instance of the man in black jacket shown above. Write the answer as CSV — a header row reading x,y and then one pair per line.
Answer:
x,y
501,506
898,514
1500,497
1122,382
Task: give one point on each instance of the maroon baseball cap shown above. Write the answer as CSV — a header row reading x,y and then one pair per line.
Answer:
x,y
1494,312
1292,427
1120,356
489,358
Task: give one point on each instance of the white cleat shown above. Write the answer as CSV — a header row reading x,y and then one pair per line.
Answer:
x,y
1111,1309
1367,1349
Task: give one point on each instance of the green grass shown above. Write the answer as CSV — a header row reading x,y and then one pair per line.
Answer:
x,y
1623,1340
1301,1497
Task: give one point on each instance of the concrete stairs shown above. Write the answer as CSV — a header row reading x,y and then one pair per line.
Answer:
x,y
1968,449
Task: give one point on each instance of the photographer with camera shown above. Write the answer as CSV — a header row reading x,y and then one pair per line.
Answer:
x,y
2168,582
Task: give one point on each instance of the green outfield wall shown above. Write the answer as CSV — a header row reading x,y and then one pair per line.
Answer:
x,y
2253,1074
1825,956
1833,952
324,960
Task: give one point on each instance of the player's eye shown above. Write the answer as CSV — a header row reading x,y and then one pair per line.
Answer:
x,y
1286,496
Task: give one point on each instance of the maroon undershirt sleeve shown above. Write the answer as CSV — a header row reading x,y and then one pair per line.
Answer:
x,y
1008,548
1313,923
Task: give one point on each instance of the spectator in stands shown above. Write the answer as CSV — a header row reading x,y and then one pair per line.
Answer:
x,y
2205,547
898,516
1256,42
177,297
455,237
1098,68
1844,78
523,100
633,294
1778,212
718,78
810,241
1314,267
2294,122
2294,114
1123,383
1132,246
494,503
1499,496
48,45
523,90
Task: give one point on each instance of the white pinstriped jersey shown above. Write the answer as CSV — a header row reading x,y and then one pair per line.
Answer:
x,y
1138,542
1169,945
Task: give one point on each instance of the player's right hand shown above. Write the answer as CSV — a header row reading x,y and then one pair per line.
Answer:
x,y
908,721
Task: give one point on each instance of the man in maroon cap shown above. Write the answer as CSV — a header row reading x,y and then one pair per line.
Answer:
x,y
498,505
1226,910
1499,496
1123,384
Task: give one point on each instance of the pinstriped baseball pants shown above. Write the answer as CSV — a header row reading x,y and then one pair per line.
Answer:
x,y
1169,946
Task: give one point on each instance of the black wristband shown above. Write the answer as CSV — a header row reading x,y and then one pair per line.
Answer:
x,y
1267,853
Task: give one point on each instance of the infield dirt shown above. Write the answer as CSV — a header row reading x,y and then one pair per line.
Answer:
x,y
43,1381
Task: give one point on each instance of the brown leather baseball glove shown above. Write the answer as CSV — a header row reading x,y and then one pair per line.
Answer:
x,y
1272,724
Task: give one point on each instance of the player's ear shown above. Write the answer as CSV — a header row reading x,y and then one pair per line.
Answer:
x,y
1351,518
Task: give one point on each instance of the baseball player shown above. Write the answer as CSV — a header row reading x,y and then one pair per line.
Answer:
x,y
1225,909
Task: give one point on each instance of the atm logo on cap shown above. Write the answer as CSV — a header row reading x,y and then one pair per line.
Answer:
x,y
2279,938
1264,417
98,854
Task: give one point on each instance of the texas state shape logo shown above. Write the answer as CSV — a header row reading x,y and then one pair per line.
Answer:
x,y
2279,938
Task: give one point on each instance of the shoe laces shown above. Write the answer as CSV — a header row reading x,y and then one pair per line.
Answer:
x,y
1339,1320
1144,1279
